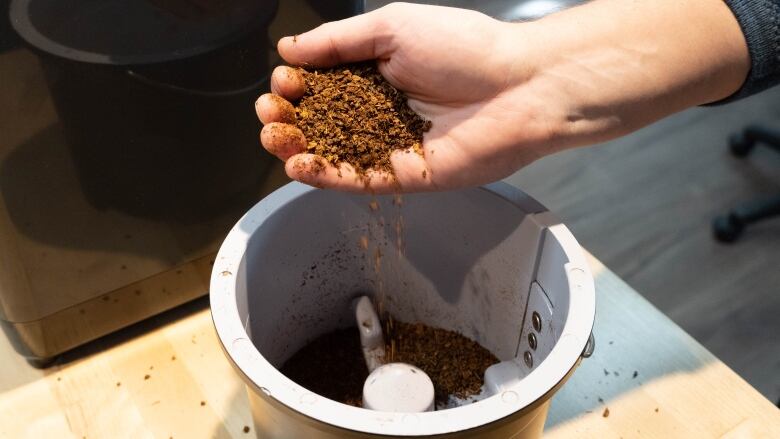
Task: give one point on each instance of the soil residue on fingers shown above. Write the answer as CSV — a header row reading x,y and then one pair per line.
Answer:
x,y
317,166
282,139
351,114
285,109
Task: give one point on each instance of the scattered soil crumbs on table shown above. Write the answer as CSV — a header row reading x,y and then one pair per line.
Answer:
x,y
351,114
454,363
606,413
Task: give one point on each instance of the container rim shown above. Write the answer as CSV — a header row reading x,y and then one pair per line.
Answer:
x,y
275,386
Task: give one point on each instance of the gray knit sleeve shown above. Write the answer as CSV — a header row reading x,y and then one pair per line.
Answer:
x,y
759,20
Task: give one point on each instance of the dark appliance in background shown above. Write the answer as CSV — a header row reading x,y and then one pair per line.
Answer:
x,y
129,147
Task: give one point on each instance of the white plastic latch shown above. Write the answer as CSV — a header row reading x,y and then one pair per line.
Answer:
x,y
371,337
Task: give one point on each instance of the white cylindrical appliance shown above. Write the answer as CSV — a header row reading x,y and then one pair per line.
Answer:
x,y
490,263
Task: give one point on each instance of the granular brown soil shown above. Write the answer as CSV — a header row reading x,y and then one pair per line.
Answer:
x,y
333,365
455,363
351,114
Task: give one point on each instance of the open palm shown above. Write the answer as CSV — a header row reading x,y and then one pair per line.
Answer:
x,y
501,95
458,77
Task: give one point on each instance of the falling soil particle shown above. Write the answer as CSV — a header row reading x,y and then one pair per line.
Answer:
x,y
202,403
636,374
118,384
606,413
246,429
656,409
351,114
147,376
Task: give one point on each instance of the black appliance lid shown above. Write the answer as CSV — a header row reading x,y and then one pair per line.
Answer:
x,y
133,32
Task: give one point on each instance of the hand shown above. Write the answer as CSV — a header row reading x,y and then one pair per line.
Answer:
x,y
501,95
455,76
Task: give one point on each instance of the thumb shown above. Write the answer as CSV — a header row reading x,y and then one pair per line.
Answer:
x,y
359,38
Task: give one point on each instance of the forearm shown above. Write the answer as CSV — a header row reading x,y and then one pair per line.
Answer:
x,y
500,95
613,66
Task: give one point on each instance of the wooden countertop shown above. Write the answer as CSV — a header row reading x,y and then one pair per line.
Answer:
x,y
167,377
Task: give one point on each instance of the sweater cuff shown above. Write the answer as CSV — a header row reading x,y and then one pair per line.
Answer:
x,y
759,20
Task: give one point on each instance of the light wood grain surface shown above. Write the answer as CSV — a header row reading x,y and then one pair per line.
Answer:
x,y
169,378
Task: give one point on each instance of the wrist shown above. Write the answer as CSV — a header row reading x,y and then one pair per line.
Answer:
x,y
610,67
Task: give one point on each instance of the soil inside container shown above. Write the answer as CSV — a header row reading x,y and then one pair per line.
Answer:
x,y
332,365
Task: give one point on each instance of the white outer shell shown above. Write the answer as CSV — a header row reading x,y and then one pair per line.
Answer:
x,y
245,356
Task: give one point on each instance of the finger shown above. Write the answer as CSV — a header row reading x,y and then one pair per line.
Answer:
x,y
358,38
288,82
273,108
412,171
316,171
282,140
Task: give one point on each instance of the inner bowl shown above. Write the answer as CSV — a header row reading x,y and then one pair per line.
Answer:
x,y
478,261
